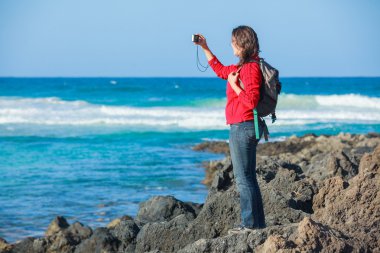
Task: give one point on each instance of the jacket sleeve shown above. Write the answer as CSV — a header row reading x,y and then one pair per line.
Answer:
x,y
219,69
251,78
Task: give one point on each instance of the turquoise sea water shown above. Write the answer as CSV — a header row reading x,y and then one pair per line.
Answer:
x,y
91,149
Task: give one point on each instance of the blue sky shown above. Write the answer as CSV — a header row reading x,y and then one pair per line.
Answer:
x,y
122,38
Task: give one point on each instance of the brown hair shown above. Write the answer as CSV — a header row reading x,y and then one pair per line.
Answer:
x,y
246,39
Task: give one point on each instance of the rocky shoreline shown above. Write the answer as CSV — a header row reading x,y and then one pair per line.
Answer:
x,y
320,193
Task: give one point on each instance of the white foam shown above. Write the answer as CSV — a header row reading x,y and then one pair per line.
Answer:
x,y
321,115
53,111
289,101
350,100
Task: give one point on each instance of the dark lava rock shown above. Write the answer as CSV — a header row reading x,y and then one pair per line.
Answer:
x,y
101,241
318,157
126,232
27,245
241,242
292,146
267,168
306,236
219,147
163,236
58,224
163,208
223,178
117,221
334,164
60,238
66,240
286,200
218,214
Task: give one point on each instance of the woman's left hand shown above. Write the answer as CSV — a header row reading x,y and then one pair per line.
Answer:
x,y
233,79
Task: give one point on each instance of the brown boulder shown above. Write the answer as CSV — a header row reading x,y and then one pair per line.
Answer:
x,y
353,207
58,224
312,236
116,222
4,246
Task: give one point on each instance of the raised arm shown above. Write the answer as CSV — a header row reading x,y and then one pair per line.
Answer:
x,y
219,69
203,43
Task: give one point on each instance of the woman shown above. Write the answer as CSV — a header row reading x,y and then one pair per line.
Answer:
x,y
239,114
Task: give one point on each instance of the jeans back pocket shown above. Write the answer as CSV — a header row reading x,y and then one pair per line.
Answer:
x,y
250,132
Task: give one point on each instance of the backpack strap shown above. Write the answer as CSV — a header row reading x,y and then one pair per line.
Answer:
x,y
273,117
266,132
264,124
257,61
256,121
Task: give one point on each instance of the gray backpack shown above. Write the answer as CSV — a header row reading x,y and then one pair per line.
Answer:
x,y
269,90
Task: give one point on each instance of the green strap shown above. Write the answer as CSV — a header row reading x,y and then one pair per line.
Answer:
x,y
256,120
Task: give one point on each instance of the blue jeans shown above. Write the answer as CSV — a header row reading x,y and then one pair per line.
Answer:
x,y
243,154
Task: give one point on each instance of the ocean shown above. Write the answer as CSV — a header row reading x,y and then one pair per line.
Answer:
x,y
91,149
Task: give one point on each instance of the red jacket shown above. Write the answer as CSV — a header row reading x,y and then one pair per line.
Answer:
x,y
240,108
